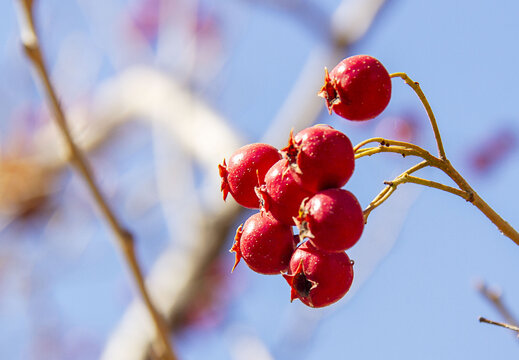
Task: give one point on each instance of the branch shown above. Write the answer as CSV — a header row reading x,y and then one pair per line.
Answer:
x,y
124,237
507,326
389,189
495,298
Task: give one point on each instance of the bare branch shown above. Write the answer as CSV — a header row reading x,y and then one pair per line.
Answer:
x,y
124,238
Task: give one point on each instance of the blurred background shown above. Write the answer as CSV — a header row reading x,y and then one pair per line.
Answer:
x,y
157,92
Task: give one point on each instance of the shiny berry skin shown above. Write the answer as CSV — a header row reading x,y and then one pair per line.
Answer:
x,y
318,278
332,220
265,244
247,168
321,156
358,88
281,194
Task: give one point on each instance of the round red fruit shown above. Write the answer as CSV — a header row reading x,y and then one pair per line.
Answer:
x,y
321,156
246,170
265,244
318,278
281,194
332,219
358,88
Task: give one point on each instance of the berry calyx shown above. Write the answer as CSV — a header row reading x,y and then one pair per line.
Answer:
x,y
318,278
321,156
358,88
332,220
281,194
265,244
246,169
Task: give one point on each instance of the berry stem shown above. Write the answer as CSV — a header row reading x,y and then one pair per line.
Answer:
x,y
432,184
387,143
416,87
465,190
404,151
124,238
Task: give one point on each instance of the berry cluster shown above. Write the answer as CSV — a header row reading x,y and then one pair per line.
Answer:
x,y
300,185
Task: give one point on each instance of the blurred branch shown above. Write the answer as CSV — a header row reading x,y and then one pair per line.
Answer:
x,y
145,94
128,342
206,138
173,282
495,299
312,17
350,21
125,239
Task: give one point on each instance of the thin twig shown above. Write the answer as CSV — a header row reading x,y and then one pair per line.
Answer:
x,y
389,189
491,322
404,151
495,298
432,184
416,87
124,237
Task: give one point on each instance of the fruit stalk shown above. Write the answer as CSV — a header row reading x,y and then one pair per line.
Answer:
x,y
416,87
465,190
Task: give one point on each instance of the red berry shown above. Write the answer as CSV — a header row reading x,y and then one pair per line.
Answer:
x,y
318,278
358,88
265,244
321,156
332,219
281,194
247,168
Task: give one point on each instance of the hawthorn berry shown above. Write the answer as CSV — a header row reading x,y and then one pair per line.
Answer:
x,y
247,168
321,156
318,278
265,244
358,88
332,220
281,194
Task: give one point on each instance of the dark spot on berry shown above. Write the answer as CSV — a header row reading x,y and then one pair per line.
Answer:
x,y
302,285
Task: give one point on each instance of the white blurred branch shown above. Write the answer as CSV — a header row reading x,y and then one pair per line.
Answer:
x,y
350,21
144,94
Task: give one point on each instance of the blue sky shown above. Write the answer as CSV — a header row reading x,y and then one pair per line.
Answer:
x,y
422,251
